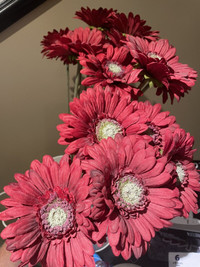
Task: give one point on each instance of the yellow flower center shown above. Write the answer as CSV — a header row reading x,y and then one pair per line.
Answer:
x,y
116,69
57,217
180,172
154,55
107,128
131,192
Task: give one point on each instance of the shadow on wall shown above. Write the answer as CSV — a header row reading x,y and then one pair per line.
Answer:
x,y
25,16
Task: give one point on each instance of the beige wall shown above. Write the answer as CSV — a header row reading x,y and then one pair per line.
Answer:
x,y
33,89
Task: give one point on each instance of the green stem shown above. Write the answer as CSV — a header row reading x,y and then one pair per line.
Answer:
x,y
77,80
68,87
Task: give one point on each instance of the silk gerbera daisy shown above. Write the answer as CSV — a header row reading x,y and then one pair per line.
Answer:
x,y
158,122
112,68
56,45
85,41
133,25
161,66
131,198
97,115
179,149
50,202
66,45
99,18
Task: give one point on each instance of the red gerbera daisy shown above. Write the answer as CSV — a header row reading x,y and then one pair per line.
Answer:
x,y
99,114
115,38
56,45
51,203
158,124
187,181
131,198
161,65
110,68
179,149
66,45
85,40
96,17
133,25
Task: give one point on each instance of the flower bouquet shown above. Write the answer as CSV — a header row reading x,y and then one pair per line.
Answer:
x,y
128,168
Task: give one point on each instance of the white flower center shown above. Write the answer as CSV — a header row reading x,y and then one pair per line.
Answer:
x,y
154,55
114,68
180,172
131,192
107,128
57,217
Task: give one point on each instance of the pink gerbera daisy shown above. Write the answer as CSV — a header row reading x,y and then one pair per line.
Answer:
x,y
130,195
158,122
99,18
179,149
99,114
161,67
112,68
50,202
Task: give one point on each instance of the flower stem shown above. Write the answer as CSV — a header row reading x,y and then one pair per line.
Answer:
x,y
77,80
68,87
144,89
144,85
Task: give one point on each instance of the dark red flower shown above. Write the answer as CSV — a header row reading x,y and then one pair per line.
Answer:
x,y
161,66
131,198
99,18
99,114
50,202
115,38
56,45
133,25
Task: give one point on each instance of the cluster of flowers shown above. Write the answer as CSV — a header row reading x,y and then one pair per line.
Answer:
x,y
121,51
127,169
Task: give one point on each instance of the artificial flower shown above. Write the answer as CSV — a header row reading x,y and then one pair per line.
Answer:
x,y
179,150
85,41
158,122
131,198
188,182
133,25
99,114
99,18
110,68
115,38
160,64
56,45
50,202
66,45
